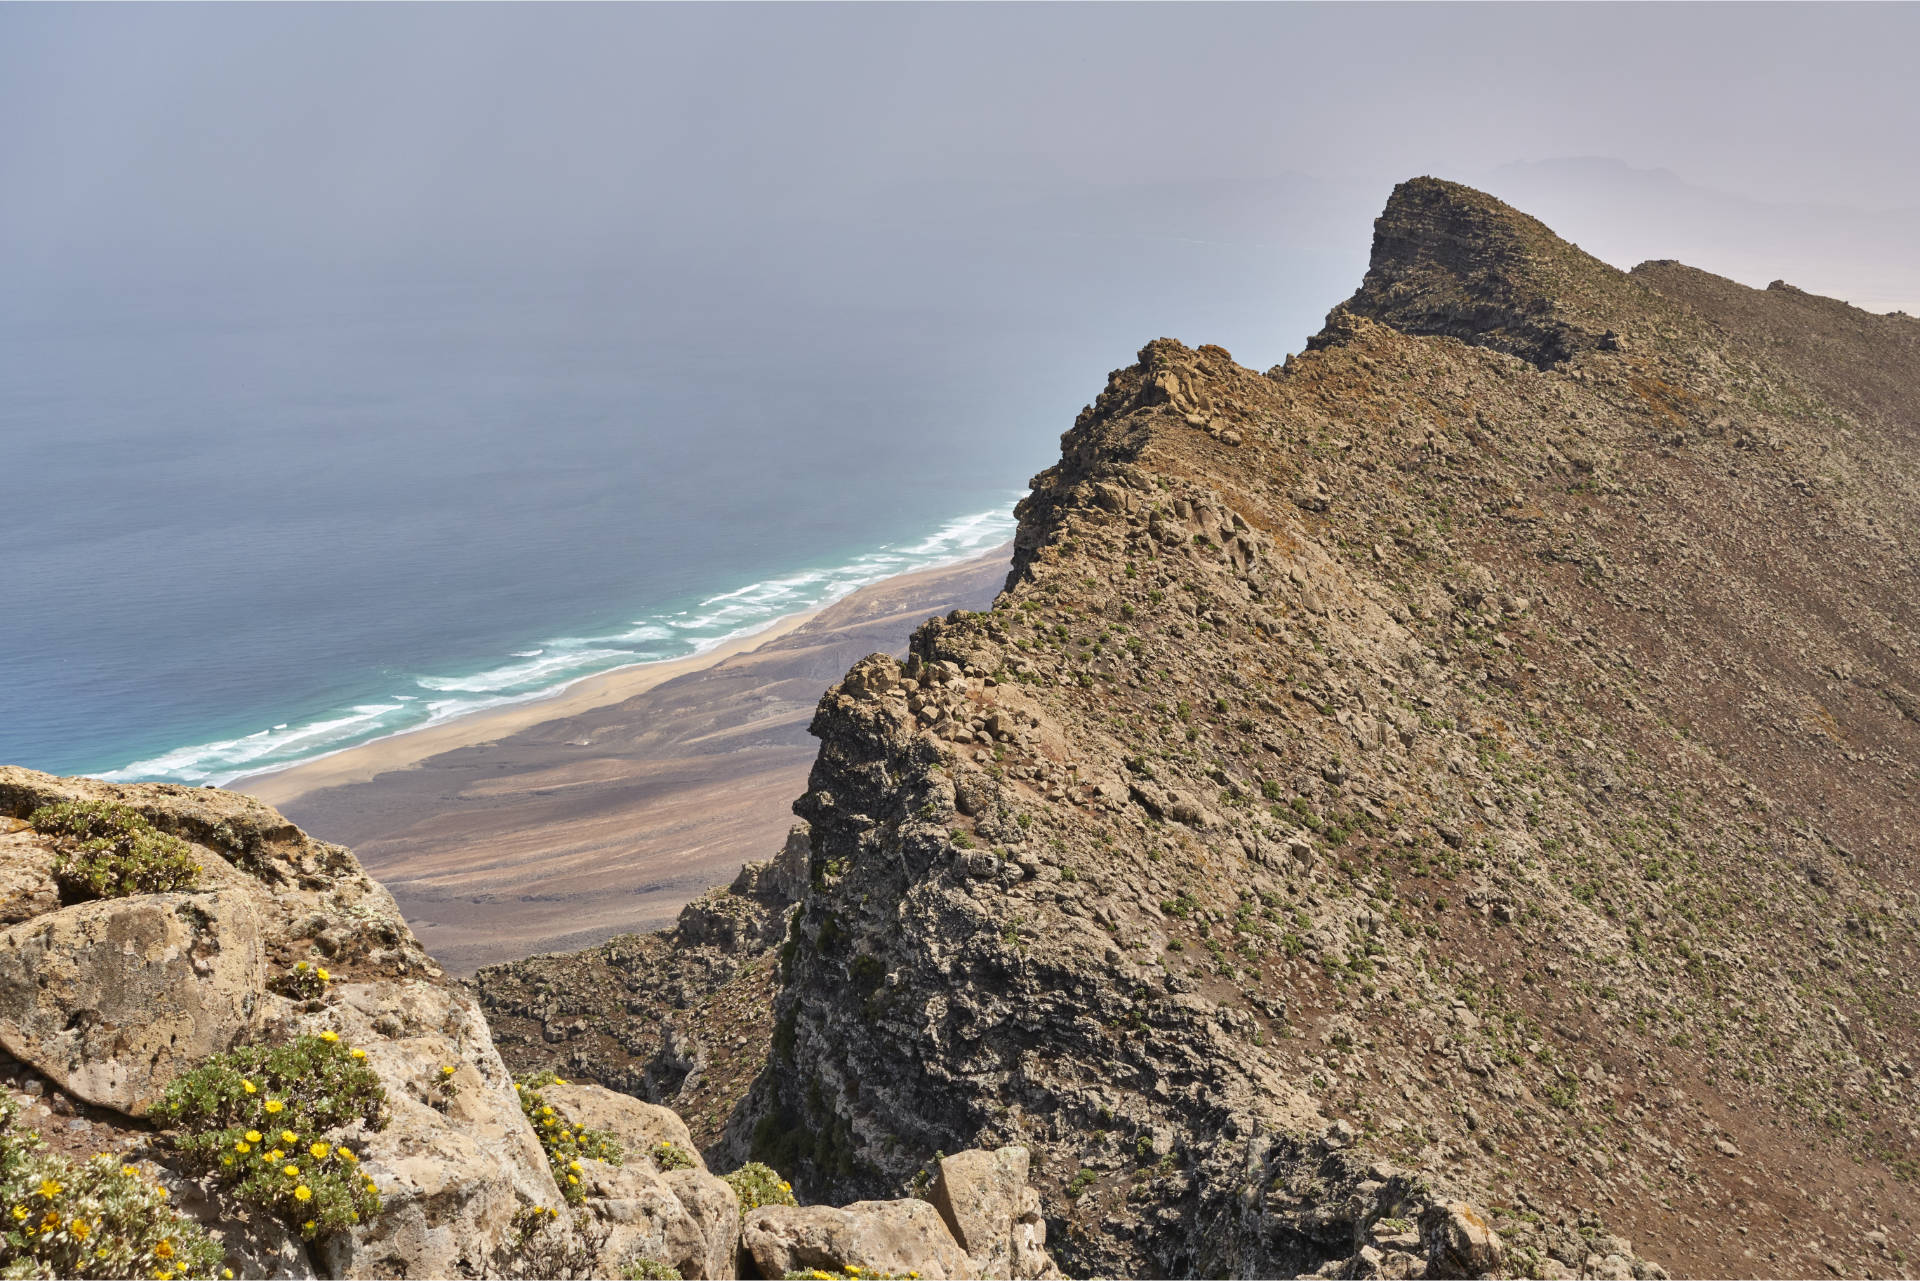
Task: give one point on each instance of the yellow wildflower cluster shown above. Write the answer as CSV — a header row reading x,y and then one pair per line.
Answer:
x,y
565,1143
263,1119
98,1218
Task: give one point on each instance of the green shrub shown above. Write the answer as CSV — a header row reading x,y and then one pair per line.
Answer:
x,y
649,1270
109,851
265,1120
669,1155
97,1219
565,1143
758,1184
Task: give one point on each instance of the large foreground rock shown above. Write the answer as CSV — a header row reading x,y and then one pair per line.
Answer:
x,y
452,1171
681,1216
891,1238
992,1213
112,1000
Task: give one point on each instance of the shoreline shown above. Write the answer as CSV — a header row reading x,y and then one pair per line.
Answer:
x,y
410,748
404,749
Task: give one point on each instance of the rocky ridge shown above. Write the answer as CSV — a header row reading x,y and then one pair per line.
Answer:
x,y
1444,804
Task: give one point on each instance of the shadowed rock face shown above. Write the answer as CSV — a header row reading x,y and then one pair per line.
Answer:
x,y
1444,804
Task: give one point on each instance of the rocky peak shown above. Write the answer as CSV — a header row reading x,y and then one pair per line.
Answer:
x,y
1451,261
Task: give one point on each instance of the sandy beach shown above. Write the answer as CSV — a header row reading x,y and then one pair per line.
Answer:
x,y
368,761
557,823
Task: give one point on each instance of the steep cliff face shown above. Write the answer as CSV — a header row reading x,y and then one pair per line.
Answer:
x,y
1468,771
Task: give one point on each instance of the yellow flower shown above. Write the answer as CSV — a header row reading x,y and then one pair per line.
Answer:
x,y
558,1081
274,1105
131,1171
329,1036
546,1111
226,1274
249,1086
517,1087
165,1274
324,976
574,1166
303,1192
307,1226
299,967
359,1053
291,1171
274,1155
50,1220
160,1191
243,1146
550,1121
346,1154
49,1188
79,1228
573,1178
164,1250
253,1136
446,1069
288,1136
319,1151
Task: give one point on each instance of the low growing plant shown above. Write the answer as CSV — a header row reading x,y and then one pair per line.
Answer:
x,y
97,1218
266,1121
108,850
758,1184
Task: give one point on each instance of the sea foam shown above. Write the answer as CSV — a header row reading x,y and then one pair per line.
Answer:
x,y
543,667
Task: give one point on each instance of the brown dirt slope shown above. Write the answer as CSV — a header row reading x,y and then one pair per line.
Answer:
x,y
1475,760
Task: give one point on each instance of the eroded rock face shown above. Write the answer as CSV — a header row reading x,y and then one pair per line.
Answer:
x,y
682,1216
112,1000
891,1238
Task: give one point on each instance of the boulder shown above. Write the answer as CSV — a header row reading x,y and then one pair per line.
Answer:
x,y
686,1218
1460,1241
980,1195
890,1238
640,1126
452,1170
114,999
714,1207
26,873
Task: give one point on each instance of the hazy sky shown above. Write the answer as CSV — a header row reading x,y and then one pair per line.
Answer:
x,y
345,138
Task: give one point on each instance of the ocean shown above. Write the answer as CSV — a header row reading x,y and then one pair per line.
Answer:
x,y
239,535
263,513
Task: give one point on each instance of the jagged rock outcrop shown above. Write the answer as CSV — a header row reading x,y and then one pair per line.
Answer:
x,y
1444,805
